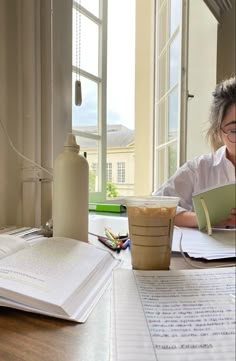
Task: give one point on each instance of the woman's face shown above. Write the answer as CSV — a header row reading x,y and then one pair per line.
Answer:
x,y
228,130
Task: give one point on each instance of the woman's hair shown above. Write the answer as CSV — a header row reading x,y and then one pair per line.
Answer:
x,y
224,96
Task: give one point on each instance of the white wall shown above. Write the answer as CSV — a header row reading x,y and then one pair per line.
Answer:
x,y
201,74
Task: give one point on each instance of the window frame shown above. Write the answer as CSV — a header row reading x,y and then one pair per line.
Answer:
x,y
161,163
101,81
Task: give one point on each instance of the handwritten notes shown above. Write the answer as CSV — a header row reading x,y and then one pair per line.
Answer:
x,y
174,315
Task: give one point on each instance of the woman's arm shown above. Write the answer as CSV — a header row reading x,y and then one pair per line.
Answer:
x,y
186,219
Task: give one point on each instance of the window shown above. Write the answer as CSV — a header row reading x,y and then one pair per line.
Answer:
x,y
89,49
168,89
109,172
94,168
121,172
103,60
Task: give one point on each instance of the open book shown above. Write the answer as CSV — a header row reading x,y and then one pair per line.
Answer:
x,y
213,205
186,315
57,276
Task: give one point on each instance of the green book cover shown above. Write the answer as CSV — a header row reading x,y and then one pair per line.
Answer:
x,y
107,207
219,201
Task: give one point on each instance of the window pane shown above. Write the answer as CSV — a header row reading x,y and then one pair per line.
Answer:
x,y
161,129
172,159
93,175
168,35
120,94
85,43
162,84
161,170
121,63
175,6
173,112
109,172
87,113
91,5
174,62
91,148
162,28
160,2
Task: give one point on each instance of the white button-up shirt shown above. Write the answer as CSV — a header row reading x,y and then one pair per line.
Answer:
x,y
204,171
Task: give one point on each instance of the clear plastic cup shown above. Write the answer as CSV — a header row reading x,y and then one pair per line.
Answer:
x,y
151,224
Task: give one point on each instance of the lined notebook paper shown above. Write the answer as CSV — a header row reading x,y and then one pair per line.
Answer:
x,y
184,315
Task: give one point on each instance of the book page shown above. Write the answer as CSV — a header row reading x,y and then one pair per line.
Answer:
x,y
189,315
57,276
10,244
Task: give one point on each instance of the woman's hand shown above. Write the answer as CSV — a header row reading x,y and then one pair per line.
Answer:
x,y
230,221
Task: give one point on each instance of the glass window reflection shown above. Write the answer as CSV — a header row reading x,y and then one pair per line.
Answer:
x,y
174,62
175,6
173,115
87,113
88,47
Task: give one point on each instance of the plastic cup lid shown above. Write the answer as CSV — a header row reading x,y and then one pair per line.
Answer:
x,y
152,201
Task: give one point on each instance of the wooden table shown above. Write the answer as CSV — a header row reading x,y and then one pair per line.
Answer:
x,y
30,337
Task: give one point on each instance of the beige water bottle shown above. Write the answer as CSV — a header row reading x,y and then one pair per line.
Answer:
x,y
70,192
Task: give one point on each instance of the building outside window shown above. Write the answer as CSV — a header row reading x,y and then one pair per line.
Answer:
x,y
109,172
94,168
121,172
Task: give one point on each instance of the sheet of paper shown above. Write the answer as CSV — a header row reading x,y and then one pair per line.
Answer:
x,y
173,315
10,244
199,245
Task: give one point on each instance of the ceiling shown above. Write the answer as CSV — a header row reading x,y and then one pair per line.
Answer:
x,y
219,7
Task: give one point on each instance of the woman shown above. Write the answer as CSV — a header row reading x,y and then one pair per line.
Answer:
x,y
217,167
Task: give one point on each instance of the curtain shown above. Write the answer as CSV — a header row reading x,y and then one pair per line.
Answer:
x,y
35,103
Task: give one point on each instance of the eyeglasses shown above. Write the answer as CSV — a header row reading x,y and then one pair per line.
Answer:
x,y
231,134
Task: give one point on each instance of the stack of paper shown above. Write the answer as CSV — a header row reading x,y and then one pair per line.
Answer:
x,y
199,245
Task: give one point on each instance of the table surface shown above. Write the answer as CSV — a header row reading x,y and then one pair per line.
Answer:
x,y
31,337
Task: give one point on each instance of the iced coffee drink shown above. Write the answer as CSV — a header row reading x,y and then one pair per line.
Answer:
x,y
151,221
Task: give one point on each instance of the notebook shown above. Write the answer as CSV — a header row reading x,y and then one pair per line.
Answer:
x,y
213,205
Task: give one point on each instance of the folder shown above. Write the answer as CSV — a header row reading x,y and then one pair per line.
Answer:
x,y
107,207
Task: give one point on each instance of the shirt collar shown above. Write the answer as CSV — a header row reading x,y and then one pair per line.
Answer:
x,y
220,155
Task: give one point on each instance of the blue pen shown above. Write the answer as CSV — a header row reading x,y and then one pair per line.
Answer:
x,y
126,244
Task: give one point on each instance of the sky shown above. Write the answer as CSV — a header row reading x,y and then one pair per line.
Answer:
x,y
121,65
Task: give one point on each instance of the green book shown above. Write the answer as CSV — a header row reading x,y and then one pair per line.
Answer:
x,y
107,207
213,205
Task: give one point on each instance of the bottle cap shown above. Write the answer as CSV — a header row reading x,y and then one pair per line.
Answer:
x,y
70,142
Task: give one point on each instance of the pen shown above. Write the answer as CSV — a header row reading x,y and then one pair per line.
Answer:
x,y
126,244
